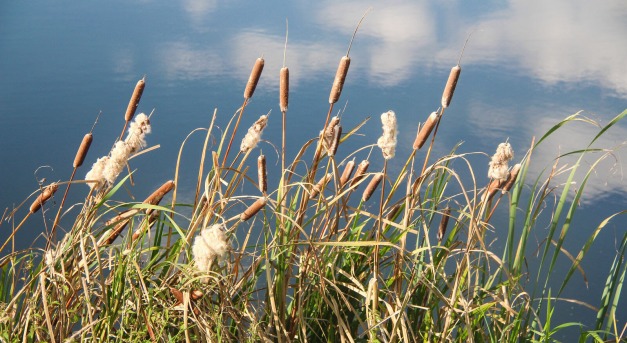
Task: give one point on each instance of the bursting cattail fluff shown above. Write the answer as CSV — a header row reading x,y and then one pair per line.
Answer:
x,y
425,130
498,164
284,88
253,79
210,245
340,77
387,142
134,102
451,83
329,134
106,169
253,136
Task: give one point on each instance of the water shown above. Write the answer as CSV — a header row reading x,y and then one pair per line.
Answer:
x,y
527,65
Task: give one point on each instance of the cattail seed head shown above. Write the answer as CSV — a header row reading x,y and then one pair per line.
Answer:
x,y
372,186
513,174
253,79
158,194
493,188
122,216
44,196
451,83
329,133
253,209
362,168
443,223
387,142
393,212
82,150
115,232
340,77
335,143
284,88
318,187
134,102
498,164
346,174
261,174
253,136
210,245
425,130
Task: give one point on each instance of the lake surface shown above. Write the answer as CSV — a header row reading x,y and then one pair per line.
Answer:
x,y
528,64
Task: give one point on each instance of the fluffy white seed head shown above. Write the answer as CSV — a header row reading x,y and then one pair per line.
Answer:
x,y
140,127
253,136
387,142
96,172
499,162
210,245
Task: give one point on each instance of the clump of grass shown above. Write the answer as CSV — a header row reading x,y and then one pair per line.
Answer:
x,y
308,260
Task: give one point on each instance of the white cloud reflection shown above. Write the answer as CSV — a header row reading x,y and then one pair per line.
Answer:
x,y
562,41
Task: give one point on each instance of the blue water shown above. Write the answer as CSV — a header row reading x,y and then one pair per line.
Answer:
x,y
526,66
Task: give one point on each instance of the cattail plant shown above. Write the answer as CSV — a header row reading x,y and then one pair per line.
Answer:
x,y
318,187
372,186
425,130
362,168
133,103
451,83
253,136
387,142
261,174
44,196
209,246
513,174
338,81
253,209
251,85
346,174
253,79
284,88
500,159
443,223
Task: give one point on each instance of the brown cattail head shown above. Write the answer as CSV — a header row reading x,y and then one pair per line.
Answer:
x,y
253,209
372,186
82,150
261,174
178,295
44,196
493,187
393,212
157,195
348,171
362,168
425,130
443,223
513,174
284,88
122,216
253,79
449,89
335,143
315,190
132,104
340,77
113,234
